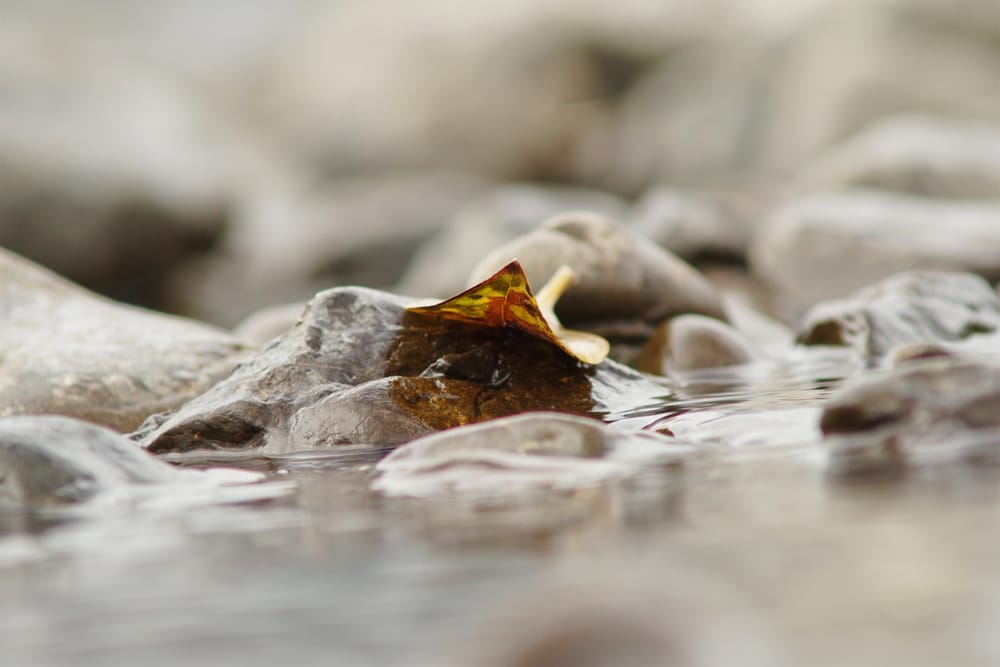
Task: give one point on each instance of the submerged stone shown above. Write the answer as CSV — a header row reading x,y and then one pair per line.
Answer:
x,y
914,307
521,453
926,409
357,368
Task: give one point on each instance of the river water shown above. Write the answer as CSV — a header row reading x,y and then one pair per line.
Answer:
x,y
750,553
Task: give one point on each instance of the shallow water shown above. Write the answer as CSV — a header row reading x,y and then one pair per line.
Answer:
x,y
749,554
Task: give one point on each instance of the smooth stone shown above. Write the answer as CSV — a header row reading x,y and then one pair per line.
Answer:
x,y
691,342
917,155
442,264
48,460
51,462
358,369
69,352
926,410
829,245
914,307
619,275
513,454
693,226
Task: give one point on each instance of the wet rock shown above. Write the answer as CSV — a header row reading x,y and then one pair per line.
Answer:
x,y
692,226
920,306
689,342
916,155
67,351
49,460
619,275
291,239
357,368
935,409
515,465
828,245
442,265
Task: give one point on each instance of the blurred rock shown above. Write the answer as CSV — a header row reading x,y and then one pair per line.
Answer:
x,y
921,306
694,117
852,63
619,275
358,369
691,226
519,90
293,240
927,410
50,460
109,174
268,323
69,352
442,265
690,342
829,245
766,88
916,155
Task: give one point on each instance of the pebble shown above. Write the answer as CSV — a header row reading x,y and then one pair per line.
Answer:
x,y
619,275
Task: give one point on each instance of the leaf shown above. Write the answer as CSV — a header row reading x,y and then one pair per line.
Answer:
x,y
505,300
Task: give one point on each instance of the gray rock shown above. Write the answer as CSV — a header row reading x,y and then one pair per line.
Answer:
x,y
116,216
514,91
66,351
358,369
692,226
916,155
849,64
442,264
690,342
921,306
513,455
829,245
49,460
927,410
619,275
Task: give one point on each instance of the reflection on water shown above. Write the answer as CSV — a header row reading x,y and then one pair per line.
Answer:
x,y
750,553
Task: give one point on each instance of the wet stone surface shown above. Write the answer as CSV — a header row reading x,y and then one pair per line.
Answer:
x,y
359,369
911,307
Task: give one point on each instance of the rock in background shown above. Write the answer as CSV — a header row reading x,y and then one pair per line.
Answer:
x,y
215,160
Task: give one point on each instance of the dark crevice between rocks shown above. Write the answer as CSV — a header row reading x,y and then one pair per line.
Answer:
x,y
217,434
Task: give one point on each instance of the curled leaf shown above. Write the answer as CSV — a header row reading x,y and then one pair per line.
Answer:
x,y
505,300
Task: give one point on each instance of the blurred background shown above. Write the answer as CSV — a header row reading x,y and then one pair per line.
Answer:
x,y
211,158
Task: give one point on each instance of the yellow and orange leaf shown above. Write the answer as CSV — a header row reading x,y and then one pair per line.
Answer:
x,y
505,300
